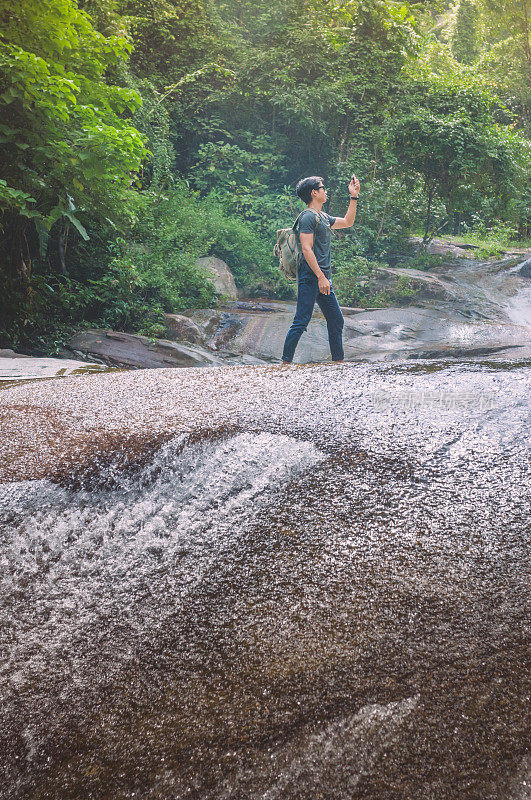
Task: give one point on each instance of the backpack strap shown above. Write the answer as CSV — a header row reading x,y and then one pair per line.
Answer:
x,y
302,212
297,220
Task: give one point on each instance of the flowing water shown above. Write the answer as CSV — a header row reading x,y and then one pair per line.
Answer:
x,y
304,583
319,593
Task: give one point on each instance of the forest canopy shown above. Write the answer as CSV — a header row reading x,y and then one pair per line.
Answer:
x,y
139,135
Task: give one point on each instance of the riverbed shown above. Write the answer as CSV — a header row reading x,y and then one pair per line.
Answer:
x,y
267,582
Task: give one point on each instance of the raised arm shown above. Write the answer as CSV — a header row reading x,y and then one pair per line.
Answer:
x,y
348,220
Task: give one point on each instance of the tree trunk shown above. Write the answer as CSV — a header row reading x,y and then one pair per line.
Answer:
x,y
428,214
61,247
343,140
385,209
12,249
526,35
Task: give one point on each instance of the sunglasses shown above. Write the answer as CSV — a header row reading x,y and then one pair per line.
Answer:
x,y
320,187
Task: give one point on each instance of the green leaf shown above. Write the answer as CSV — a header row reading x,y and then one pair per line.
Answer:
x,y
77,225
44,234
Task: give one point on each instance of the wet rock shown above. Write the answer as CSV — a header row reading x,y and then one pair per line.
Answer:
x,y
182,328
227,329
206,319
348,311
132,350
525,269
439,247
313,584
474,308
520,786
480,308
7,353
222,277
19,367
338,755
462,352
247,306
426,285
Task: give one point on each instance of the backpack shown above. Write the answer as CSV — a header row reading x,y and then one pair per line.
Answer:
x,y
288,248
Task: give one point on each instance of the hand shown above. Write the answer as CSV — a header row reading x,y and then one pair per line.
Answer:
x,y
354,187
324,285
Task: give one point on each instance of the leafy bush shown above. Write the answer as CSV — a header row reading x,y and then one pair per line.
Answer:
x,y
67,142
181,226
351,281
354,282
52,307
402,293
422,260
495,231
129,284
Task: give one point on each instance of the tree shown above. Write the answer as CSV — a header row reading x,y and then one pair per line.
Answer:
x,y
464,42
68,150
506,57
449,139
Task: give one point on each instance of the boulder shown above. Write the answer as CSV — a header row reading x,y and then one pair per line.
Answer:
x,y
525,269
8,353
132,350
222,277
448,249
438,247
181,328
426,285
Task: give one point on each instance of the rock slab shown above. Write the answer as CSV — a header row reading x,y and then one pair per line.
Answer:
x,y
132,350
20,367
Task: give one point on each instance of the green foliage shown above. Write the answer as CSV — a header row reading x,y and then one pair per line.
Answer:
x,y
137,135
153,121
130,283
418,258
67,147
491,237
464,43
351,281
384,211
495,231
355,285
506,56
51,308
449,139
228,167
181,226
171,38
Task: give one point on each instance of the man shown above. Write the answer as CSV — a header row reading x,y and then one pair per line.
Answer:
x,y
314,279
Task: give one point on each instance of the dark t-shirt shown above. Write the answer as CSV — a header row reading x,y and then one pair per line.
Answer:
x,y
321,236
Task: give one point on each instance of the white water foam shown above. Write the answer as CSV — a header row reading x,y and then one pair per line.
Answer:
x,y
74,560
519,308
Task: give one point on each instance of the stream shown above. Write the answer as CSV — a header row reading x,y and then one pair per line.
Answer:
x,y
268,583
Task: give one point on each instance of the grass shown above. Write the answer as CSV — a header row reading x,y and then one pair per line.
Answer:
x,y
484,243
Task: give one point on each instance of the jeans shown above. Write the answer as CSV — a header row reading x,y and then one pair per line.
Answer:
x,y
308,295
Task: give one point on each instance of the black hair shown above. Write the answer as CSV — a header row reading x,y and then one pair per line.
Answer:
x,y
304,187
